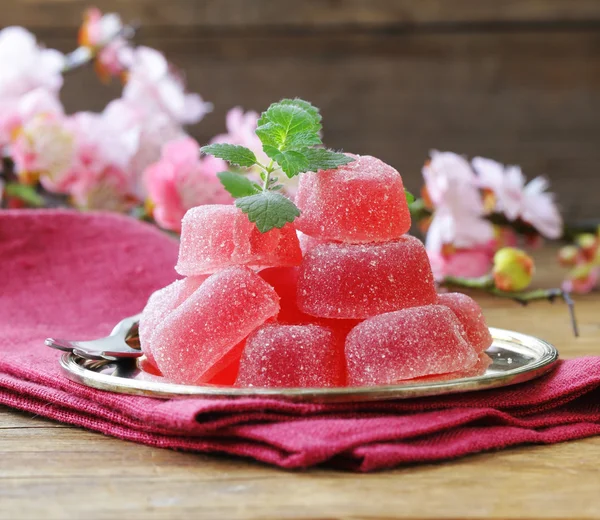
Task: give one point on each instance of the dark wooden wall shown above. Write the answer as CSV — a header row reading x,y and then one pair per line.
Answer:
x,y
516,80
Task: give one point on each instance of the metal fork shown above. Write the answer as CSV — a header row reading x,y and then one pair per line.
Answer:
x,y
111,348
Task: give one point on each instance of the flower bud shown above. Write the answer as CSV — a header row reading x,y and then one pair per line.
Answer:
x,y
582,279
588,243
513,269
568,256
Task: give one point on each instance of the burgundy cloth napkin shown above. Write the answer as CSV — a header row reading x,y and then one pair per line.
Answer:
x,y
75,275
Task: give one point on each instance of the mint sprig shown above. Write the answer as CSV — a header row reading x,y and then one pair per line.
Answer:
x,y
290,134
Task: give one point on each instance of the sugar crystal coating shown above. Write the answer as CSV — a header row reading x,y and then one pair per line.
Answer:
x,y
407,344
196,340
357,281
217,236
292,356
160,304
307,242
471,317
362,201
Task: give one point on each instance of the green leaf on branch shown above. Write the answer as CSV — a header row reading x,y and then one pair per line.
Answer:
x,y
268,210
232,153
305,105
270,134
237,185
410,198
291,162
302,140
26,193
323,159
282,121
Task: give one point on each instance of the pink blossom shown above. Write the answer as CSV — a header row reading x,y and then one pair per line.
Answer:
x,y
100,176
44,148
467,263
154,88
38,102
25,67
181,180
531,202
458,210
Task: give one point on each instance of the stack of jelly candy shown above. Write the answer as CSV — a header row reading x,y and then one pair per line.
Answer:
x,y
343,296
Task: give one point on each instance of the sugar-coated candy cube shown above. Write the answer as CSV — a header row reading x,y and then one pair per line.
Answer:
x,y
361,280
471,317
160,304
199,338
285,282
292,356
407,344
217,236
362,201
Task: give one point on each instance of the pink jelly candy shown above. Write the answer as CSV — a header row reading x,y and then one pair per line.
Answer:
x,y
358,281
285,282
199,338
407,344
160,304
469,314
217,236
292,356
362,201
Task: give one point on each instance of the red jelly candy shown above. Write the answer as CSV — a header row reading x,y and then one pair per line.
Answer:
x,y
358,281
362,201
292,356
407,344
198,339
160,304
217,236
469,314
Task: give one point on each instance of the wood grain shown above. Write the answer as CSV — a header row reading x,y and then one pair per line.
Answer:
x,y
64,472
311,13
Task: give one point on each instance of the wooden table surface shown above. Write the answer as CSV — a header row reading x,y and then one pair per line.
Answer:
x,y
49,470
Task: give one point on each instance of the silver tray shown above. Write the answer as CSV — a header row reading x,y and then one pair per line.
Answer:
x,y
515,358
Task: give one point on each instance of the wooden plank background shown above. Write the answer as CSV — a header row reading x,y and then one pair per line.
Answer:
x,y
516,80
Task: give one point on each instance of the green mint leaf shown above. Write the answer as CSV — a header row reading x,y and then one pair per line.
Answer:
x,y
232,153
26,193
297,102
268,210
323,159
238,185
270,134
302,140
280,122
410,198
291,162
